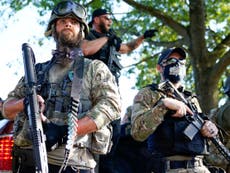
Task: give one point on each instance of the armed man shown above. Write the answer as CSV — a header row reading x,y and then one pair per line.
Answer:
x,y
221,117
158,113
108,46
69,86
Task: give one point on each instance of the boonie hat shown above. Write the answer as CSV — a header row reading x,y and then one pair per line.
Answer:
x,y
96,13
165,54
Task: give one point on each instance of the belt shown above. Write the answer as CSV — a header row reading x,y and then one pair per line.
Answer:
x,y
23,156
176,164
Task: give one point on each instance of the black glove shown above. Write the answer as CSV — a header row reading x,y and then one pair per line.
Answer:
x,y
150,33
114,41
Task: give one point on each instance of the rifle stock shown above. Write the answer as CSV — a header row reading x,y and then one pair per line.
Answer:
x,y
196,121
32,109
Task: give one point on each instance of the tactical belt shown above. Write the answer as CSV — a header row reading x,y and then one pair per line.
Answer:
x,y
23,156
175,164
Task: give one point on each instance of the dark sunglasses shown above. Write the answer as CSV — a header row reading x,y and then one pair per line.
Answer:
x,y
173,60
67,7
106,17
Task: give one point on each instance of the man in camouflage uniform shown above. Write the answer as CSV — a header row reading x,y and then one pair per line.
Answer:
x,y
99,99
221,117
158,114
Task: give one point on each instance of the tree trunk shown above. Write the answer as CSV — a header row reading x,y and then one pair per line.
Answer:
x,y
206,88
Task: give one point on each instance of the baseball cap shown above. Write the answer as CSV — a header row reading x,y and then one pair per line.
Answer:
x,y
96,13
165,54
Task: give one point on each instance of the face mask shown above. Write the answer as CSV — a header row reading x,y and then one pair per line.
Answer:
x,y
174,72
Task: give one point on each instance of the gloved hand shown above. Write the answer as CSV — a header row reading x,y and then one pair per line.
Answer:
x,y
150,33
114,41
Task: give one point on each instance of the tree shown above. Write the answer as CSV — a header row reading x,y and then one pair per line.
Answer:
x,y
186,23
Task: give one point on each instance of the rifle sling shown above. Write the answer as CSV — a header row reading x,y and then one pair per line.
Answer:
x,y
77,78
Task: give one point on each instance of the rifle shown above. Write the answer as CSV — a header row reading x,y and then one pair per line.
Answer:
x,y
113,61
196,121
32,110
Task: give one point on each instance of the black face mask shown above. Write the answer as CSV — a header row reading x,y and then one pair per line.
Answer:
x,y
174,72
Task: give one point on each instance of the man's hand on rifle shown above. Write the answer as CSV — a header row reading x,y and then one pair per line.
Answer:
x,y
209,129
41,104
178,106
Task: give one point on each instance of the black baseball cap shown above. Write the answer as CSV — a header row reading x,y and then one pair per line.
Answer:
x,y
96,13
165,54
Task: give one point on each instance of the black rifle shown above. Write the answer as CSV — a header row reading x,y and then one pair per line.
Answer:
x,y
196,121
113,61
32,110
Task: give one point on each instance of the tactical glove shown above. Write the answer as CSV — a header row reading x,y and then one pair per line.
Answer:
x,y
114,41
149,33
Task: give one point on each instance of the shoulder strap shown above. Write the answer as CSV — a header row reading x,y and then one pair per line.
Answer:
x,y
152,86
75,96
92,35
42,69
78,78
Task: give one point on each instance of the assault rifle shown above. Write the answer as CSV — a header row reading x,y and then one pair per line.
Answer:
x,y
196,121
113,61
32,110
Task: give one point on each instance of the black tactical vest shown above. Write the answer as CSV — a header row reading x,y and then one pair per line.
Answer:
x,y
103,53
168,138
107,54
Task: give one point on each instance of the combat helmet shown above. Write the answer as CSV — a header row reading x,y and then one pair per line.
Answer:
x,y
68,8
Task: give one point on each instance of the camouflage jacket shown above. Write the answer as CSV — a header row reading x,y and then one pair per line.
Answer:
x,y
100,100
221,117
147,114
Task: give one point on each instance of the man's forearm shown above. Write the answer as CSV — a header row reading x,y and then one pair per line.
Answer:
x,y
90,47
12,107
130,46
86,125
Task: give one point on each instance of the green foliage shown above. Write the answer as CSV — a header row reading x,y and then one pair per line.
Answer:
x,y
178,25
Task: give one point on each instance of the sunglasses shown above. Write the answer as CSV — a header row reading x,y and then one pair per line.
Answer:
x,y
106,17
67,7
173,60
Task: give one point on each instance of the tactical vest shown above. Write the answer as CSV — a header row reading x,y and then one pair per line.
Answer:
x,y
57,101
56,95
168,138
107,54
103,53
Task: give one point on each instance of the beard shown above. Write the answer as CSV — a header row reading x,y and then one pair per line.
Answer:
x,y
68,38
103,28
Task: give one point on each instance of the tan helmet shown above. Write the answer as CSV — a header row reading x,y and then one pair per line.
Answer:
x,y
68,8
